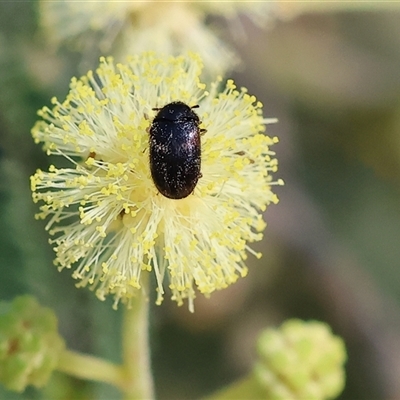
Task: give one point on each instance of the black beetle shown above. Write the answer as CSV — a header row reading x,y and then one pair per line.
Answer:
x,y
175,150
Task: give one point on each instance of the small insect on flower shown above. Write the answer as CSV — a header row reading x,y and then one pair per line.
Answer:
x,y
142,196
175,150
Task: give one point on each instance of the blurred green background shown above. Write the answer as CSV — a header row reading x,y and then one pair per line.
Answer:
x,y
331,248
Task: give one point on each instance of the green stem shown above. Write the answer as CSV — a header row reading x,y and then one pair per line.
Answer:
x,y
246,388
138,382
134,377
88,367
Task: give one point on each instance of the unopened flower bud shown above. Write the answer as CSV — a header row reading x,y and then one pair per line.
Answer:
x,y
29,343
301,360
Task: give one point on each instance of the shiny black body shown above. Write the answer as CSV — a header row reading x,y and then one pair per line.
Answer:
x,y
175,150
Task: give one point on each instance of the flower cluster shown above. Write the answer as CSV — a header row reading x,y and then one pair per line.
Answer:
x,y
108,220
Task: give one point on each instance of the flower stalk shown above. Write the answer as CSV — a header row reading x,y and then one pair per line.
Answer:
x,y
245,388
84,366
138,381
133,377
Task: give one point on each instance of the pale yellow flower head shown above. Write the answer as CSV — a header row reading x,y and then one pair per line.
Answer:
x,y
110,223
127,27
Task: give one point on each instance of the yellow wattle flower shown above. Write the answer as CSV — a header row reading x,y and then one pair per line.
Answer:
x,y
131,27
108,220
